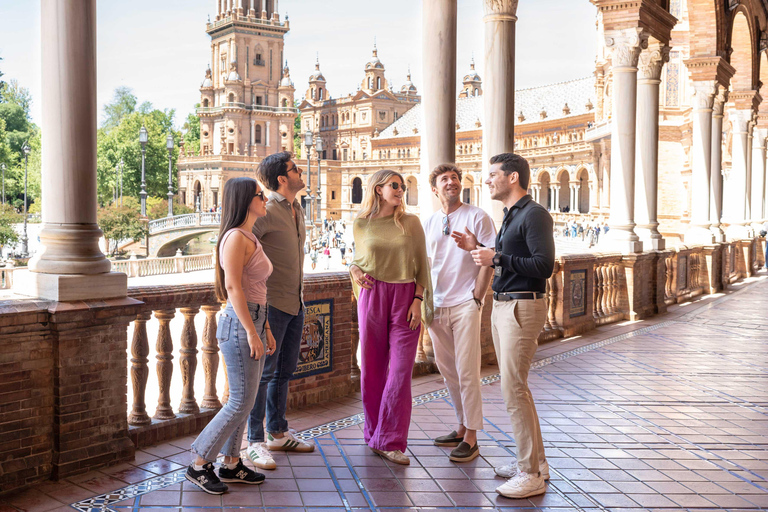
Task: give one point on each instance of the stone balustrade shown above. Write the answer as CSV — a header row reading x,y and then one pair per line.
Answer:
x,y
135,267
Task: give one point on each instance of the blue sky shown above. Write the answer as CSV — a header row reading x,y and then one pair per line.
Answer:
x,y
160,48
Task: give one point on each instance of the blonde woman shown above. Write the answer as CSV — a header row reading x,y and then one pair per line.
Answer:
x,y
390,275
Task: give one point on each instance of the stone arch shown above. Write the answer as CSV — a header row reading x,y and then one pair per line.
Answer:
x,y
357,191
582,177
545,196
197,193
744,57
467,192
412,192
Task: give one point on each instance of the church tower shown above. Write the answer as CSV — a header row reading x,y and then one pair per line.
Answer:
x,y
374,74
473,85
246,99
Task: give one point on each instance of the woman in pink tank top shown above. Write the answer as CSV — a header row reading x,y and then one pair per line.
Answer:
x,y
243,334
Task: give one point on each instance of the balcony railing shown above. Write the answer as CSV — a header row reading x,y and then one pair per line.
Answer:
x,y
253,108
183,221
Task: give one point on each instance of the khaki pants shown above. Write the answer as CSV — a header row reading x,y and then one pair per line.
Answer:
x,y
516,325
455,334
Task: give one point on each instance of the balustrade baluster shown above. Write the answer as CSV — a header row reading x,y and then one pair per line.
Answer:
x,y
210,357
596,310
547,323
669,272
605,271
553,301
188,360
164,350
140,370
421,356
616,295
225,394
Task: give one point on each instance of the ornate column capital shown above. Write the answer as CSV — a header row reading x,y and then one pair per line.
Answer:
x,y
625,46
704,92
500,10
652,60
721,98
741,119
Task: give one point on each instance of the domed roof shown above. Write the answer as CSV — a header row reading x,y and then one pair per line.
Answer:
x,y
286,81
317,76
207,82
408,87
374,63
472,76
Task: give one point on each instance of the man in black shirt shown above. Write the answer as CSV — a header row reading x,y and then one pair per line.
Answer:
x,y
523,260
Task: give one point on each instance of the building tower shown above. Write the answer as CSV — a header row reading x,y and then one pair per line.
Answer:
x,y
246,100
473,85
408,88
374,74
317,90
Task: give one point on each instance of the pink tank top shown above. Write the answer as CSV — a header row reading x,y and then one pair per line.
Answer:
x,y
256,270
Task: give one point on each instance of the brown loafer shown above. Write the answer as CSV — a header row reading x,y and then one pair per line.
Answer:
x,y
452,439
464,452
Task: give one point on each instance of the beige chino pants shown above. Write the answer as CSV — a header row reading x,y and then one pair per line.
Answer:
x,y
516,325
455,333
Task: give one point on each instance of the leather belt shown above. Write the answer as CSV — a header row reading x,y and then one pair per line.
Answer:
x,y
517,296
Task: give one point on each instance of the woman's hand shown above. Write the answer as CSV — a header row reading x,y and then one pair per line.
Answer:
x,y
414,314
270,343
257,346
362,279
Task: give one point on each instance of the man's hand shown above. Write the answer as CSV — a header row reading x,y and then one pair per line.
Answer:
x,y
466,240
484,256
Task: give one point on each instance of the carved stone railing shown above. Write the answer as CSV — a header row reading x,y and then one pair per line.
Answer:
x,y
685,276
181,410
144,267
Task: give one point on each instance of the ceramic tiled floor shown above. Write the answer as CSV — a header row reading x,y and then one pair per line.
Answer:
x,y
670,414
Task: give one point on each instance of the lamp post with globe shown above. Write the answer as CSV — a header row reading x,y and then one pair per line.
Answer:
x,y
24,238
143,138
169,146
308,141
319,149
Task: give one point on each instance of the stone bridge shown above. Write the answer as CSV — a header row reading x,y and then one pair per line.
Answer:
x,y
168,234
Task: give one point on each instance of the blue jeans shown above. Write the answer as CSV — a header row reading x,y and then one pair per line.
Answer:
x,y
224,433
272,397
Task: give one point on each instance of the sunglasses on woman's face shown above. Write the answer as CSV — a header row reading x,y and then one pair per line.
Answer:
x,y
260,195
396,185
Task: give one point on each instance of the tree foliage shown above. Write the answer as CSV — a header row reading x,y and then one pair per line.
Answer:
x,y
192,132
297,132
121,142
16,128
158,208
121,223
8,218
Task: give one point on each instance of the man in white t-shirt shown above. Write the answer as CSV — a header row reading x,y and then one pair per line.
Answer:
x,y
459,291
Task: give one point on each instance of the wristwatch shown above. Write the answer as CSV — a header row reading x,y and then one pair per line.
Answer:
x,y
497,259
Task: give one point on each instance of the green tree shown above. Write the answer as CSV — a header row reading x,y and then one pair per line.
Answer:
x,y
14,94
16,129
8,217
122,142
121,223
297,131
192,132
158,208
123,103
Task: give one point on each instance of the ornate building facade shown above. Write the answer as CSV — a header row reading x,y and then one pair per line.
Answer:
x,y
246,100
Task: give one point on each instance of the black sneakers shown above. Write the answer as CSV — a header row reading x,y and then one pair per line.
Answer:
x,y
240,474
206,479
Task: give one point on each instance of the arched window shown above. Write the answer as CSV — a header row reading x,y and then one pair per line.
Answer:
x,y
205,103
378,83
357,191
285,102
412,193
320,89
231,97
257,134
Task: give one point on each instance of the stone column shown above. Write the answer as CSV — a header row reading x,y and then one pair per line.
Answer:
x,y
703,102
758,177
266,136
651,62
625,46
737,181
574,197
438,142
555,198
69,265
716,166
498,88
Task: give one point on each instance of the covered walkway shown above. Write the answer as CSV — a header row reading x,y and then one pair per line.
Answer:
x,y
666,413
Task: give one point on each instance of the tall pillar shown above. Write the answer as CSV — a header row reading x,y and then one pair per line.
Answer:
x,y
70,264
253,132
574,198
651,62
439,97
736,214
266,136
758,177
716,166
555,198
498,88
625,46
703,102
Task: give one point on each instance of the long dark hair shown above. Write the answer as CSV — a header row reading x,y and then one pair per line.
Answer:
x,y
238,194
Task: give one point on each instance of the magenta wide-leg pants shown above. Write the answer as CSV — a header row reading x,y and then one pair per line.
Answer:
x,y
388,348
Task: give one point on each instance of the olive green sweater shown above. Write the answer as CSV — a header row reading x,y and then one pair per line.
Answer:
x,y
387,254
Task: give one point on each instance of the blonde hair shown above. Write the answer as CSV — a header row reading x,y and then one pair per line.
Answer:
x,y
371,205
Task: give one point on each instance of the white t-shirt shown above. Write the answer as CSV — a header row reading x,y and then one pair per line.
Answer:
x,y
453,270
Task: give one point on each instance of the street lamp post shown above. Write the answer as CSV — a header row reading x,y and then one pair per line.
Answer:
x,y
169,145
143,138
319,149
24,238
308,139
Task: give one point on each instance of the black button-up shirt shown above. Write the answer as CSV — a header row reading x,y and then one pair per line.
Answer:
x,y
527,245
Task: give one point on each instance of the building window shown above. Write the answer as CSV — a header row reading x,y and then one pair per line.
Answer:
x,y
344,154
215,199
257,134
378,83
334,154
333,194
205,103
357,190
258,100
231,97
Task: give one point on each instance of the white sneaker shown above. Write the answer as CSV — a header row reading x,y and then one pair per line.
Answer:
x,y
395,456
289,443
260,456
511,469
523,485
